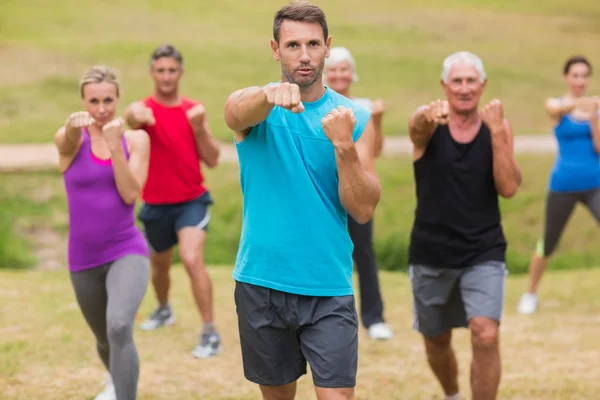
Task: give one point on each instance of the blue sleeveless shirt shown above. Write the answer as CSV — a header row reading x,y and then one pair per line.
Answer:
x,y
577,165
294,233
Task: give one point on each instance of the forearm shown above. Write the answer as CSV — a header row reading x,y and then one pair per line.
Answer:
x,y
127,185
378,125
359,190
208,148
507,174
131,120
247,108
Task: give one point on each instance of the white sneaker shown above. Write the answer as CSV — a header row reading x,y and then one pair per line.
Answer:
x,y
109,390
380,331
528,303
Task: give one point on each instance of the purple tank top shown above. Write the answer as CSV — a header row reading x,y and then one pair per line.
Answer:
x,y
101,226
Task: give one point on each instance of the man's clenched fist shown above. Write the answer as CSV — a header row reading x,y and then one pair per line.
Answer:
x,y
285,95
492,115
195,116
338,125
438,112
142,114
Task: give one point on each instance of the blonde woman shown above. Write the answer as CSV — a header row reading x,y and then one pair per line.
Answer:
x,y
104,169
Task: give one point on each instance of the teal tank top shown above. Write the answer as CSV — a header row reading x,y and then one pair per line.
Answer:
x,y
294,234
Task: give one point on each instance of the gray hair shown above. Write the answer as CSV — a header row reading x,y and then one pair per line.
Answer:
x,y
338,55
462,57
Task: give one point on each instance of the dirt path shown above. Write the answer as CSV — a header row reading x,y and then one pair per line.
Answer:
x,y
35,157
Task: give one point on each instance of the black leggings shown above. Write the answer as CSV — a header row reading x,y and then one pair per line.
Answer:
x,y
559,207
371,304
109,297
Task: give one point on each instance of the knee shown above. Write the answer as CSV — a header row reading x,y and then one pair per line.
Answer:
x,y
484,333
434,346
284,392
119,331
190,259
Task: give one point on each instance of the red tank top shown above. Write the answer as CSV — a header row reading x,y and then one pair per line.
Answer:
x,y
174,174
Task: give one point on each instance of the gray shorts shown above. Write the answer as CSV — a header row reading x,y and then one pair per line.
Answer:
x,y
446,298
280,332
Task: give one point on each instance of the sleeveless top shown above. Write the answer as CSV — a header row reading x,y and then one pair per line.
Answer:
x,y
294,233
174,158
457,219
577,165
101,226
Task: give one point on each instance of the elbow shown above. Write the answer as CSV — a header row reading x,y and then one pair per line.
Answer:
x,y
364,214
130,200
509,191
131,197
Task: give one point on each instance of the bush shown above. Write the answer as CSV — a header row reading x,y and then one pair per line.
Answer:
x,y
522,216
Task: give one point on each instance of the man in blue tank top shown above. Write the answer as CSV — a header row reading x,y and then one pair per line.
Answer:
x,y
306,161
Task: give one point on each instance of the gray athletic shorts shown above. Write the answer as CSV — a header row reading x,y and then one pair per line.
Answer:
x,y
280,332
446,298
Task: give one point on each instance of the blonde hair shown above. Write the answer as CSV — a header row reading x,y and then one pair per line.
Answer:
x,y
338,55
98,74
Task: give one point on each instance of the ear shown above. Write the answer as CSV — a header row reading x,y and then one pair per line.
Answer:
x,y
275,48
484,84
328,46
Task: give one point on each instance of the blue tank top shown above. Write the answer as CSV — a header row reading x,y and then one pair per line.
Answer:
x,y
294,233
577,165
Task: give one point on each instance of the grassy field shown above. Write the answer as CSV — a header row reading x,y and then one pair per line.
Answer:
x,y
48,352
398,46
37,204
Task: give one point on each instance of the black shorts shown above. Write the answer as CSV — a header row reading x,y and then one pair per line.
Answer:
x,y
280,332
163,221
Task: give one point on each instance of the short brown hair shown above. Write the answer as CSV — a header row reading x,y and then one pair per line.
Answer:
x,y
299,11
168,51
98,74
576,60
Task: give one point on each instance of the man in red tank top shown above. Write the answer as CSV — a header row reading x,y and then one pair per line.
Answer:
x,y
176,202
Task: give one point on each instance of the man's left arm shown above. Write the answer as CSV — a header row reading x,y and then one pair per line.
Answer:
x,y
359,187
207,145
507,173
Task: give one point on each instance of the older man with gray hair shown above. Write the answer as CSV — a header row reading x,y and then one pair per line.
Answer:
x,y
463,160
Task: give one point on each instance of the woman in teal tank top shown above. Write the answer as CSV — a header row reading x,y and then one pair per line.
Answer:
x,y
339,74
575,176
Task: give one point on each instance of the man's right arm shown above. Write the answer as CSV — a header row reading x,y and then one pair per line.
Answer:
x,y
421,126
251,106
137,115
246,108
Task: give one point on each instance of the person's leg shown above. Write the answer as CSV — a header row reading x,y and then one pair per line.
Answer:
x,y
191,226
159,230
90,291
271,353
438,308
559,207
482,288
329,342
126,284
371,304
592,202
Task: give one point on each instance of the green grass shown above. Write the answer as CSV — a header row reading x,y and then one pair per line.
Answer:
x,y
38,203
398,46
48,351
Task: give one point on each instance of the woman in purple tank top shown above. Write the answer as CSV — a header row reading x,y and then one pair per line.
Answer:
x,y
104,169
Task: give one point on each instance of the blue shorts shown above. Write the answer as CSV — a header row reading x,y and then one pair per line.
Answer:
x,y
163,221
